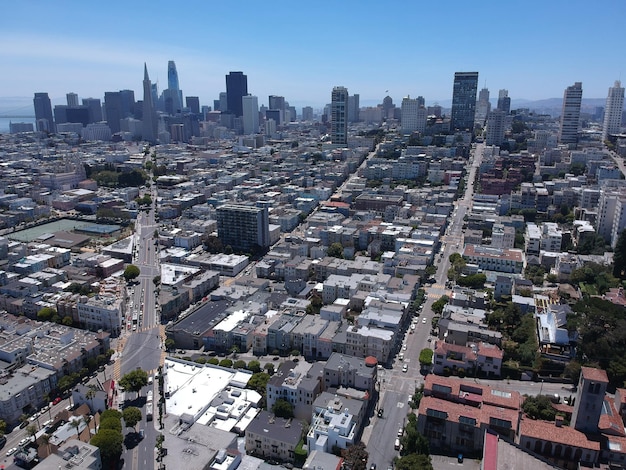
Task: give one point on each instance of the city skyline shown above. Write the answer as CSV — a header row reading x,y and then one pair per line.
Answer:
x,y
535,57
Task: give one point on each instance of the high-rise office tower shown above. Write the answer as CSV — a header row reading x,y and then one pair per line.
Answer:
x,y
72,99
353,107
250,114
504,102
421,101
483,106
149,126
464,101
244,228
339,116
307,113
193,103
127,103
412,116
613,110
95,109
277,103
176,94
496,127
113,110
223,107
236,89
570,115
43,112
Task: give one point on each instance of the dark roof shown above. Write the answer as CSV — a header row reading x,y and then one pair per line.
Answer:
x,y
284,430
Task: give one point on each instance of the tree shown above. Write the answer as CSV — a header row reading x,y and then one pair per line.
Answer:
x,y
269,367
91,393
131,272
31,430
109,442
131,415
240,364
134,381
355,456
335,250
413,461
156,280
619,257
46,314
439,304
430,270
254,366
170,344
75,423
539,407
3,427
283,409
426,357
226,363
114,424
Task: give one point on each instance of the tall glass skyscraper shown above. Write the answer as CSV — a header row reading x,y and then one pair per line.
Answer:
x,y
174,96
464,101
339,116
236,89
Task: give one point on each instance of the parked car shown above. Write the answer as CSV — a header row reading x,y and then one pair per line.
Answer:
x,y
56,401
11,451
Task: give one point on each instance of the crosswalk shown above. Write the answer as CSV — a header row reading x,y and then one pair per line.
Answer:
x,y
122,344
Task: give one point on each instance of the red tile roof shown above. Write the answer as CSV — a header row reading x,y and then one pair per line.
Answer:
x,y
490,350
596,375
482,415
611,423
548,431
490,452
477,392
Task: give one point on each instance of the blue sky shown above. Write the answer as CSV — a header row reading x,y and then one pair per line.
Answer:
x,y
302,49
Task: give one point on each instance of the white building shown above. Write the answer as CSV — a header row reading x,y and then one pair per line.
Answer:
x,y
250,114
101,313
613,110
413,116
570,114
496,127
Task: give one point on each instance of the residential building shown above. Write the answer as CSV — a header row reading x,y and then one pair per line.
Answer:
x,y
504,102
343,370
508,260
268,436
243,227
413,116
479,358
339,116
496,127
101,313
335,422
299,384
613,110
464,101
570,114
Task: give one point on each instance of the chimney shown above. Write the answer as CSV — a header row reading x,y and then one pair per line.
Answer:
x,y
558,421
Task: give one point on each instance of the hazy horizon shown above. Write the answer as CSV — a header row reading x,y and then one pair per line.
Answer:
x,y
301,51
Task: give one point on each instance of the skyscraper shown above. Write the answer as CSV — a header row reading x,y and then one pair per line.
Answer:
x,y
149,126
504,102
72,99
176,94
339,116
95,109
277,103
250,114
236,89
613,110
43,112
570,115
113,110
496,127
483,106
244,228
353,107
413,116
464,101
193,103
307,113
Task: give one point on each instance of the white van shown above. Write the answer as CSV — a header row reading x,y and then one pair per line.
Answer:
x,y
396,445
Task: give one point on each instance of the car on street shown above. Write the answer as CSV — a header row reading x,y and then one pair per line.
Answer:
x,y
404,347
56,401
424,320
413,327
11,451
405,368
